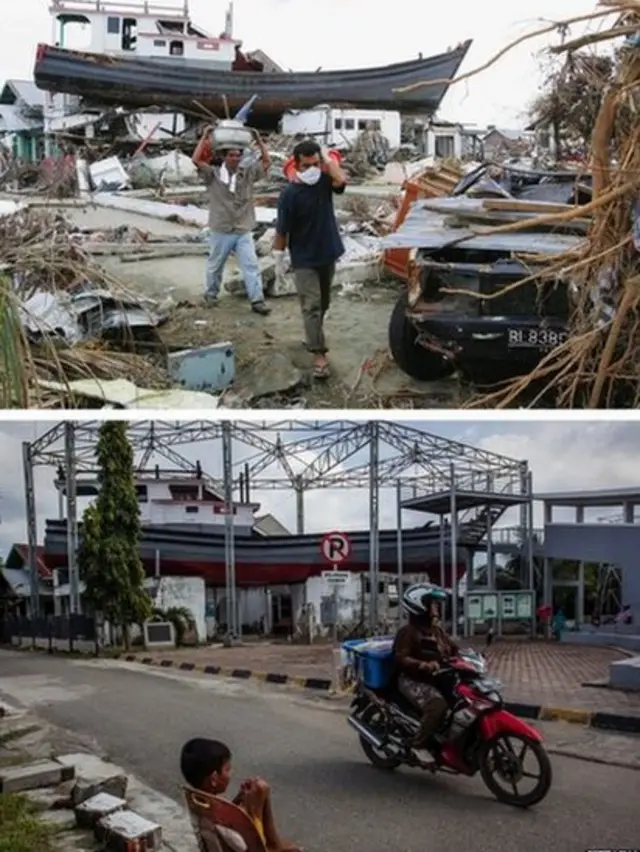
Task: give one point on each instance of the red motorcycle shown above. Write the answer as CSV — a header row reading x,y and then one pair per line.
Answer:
x,y
478,734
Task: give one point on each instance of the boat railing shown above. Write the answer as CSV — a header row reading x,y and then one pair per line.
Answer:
x,y
175,9
514,535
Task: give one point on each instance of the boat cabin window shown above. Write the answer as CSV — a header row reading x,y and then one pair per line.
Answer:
x,y
143,494
159,42
176,48
337,124
184,492
129,34
191,510
362,124
349,124
113,26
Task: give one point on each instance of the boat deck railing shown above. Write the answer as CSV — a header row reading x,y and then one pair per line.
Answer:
x,y
170,9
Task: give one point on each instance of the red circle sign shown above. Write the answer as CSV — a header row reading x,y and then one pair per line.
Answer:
x,y
335,547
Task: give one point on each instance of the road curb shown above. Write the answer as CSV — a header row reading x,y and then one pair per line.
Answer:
x,y
316,684
602,721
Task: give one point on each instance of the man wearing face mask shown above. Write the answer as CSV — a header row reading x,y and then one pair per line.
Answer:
x,y
232,216
307,224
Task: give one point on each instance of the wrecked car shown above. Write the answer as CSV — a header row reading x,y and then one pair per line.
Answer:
x,y
463,310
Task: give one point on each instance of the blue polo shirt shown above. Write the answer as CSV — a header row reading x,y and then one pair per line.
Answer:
x,y
307,218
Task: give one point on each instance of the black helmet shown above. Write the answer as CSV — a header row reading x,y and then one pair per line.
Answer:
x,y
418,598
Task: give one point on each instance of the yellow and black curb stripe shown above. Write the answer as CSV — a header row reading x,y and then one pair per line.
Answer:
x,y
613,722
314,683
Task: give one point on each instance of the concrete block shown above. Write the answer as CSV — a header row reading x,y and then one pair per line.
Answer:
x,y
50,797
60,820
91,811
46,773
204,369
124,831
88,788
625,674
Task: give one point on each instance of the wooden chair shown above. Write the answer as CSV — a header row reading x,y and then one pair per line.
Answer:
x,y
221,826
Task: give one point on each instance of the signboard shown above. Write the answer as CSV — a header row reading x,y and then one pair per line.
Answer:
x,y
508,606
336,578
335,547
474,607
489,605
524,605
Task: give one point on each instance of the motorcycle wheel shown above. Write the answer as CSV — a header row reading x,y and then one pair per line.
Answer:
x,y
488,769
378,758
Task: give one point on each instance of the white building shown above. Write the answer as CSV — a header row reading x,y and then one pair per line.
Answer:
x,y
341,128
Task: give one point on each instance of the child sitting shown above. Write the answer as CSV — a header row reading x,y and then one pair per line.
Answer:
x,y
206,766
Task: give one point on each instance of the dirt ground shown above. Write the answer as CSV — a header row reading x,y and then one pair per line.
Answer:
x,y
270,348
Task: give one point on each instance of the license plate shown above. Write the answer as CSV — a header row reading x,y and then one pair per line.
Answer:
x,y
535,338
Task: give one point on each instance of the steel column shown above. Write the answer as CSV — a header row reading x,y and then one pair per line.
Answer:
x,y
399,554
75,605
229,531
454,552
374,518
443,580
299,491
32,529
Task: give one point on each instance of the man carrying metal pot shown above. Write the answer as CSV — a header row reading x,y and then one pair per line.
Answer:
x,y
230,177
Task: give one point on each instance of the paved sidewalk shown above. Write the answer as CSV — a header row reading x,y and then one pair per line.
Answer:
x,y
542,673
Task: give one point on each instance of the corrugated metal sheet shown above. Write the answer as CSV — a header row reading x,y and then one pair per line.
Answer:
x,y
427,230
27,92
19,581
12,120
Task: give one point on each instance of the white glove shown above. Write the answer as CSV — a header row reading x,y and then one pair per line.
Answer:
x,y
281,265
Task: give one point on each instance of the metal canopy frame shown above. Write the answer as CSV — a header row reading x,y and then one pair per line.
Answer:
x,y
473,501
288,454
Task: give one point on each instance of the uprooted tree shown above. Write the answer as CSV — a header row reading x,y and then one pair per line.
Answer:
x,y
571,98
109,553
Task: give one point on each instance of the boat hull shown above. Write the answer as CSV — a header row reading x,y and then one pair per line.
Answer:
x,y
264,561
141,83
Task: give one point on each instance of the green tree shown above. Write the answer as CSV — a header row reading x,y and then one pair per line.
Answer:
x,y
109,553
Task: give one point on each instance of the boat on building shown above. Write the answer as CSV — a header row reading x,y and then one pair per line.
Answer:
x,y
144,55
183,534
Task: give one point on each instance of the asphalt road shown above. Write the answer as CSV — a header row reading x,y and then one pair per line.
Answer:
x,y
327,797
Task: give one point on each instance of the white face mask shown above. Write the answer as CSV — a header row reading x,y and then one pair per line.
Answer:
x,y
310,176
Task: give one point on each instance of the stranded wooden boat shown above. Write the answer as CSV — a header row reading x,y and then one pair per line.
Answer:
x,y
176,85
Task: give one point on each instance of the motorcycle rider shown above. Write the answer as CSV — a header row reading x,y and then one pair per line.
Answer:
x,y
419,649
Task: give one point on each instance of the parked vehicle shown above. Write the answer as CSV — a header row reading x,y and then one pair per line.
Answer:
x,y
477,736
453,316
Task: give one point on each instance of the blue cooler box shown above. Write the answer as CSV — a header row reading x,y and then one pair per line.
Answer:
x,y
371,660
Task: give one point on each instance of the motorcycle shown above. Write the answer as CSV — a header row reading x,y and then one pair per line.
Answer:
x,y
477,735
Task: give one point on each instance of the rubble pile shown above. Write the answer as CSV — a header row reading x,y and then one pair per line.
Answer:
x,y
599,364
62,316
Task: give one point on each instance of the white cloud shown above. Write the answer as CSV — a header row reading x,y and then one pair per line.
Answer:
x,y
563,456
339,34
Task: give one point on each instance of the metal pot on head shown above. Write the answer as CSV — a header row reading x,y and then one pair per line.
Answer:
x,y
229,133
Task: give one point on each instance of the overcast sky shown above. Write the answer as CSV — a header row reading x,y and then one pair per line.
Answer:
x,y
563,456
354,33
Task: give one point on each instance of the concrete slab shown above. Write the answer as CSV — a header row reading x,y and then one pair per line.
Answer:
x,y
121,830
60,819
88,788
625,674
46,773
161,809
96,808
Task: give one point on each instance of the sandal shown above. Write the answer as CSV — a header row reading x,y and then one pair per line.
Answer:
x,y
321,370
